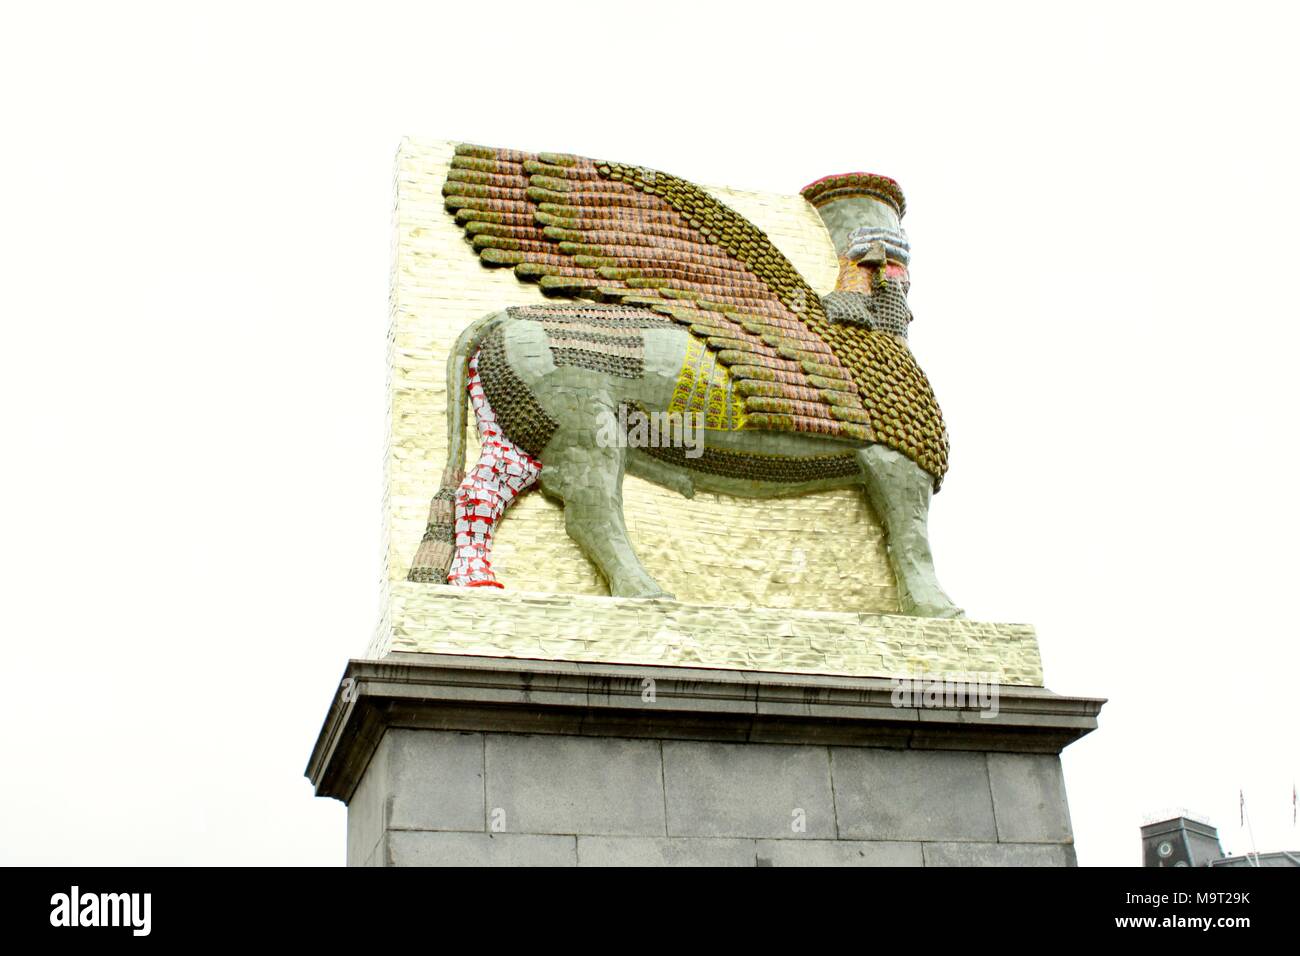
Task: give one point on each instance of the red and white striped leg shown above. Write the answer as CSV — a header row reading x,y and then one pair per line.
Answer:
x,y
504,471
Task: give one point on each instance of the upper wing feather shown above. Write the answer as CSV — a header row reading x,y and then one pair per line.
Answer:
x,y
627,234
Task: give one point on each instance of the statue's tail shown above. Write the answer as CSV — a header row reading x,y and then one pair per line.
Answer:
x,y
434,557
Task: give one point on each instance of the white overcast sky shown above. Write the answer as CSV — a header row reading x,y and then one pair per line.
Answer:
x,y
194,244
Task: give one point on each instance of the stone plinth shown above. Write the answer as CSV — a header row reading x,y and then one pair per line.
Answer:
x,y
439,619
446,759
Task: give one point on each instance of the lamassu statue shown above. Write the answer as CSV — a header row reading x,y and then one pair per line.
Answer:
x,y
676,318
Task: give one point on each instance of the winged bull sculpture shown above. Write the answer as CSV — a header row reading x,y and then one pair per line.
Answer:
x,y
668,306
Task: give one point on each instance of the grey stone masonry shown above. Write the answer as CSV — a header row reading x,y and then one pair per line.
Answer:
x,y
494,762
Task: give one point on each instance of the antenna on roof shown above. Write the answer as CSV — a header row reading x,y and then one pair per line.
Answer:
x,y
1245,817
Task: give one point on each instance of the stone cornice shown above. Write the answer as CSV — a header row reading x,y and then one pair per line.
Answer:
x,y
448,692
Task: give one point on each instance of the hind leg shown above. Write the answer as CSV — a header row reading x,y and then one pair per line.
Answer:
x,y
504,471
582,468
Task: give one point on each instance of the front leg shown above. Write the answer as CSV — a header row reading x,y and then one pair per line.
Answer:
x,y
582,468
899,491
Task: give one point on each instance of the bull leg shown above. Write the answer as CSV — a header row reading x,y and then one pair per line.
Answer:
x,y
585,471
899,491
504,471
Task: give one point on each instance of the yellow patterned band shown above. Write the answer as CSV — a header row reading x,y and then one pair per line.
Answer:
x,y
704,387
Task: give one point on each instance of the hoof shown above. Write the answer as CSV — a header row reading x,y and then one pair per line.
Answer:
x,y
948,611
650,591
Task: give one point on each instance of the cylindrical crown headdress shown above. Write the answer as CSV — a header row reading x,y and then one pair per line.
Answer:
x,y
828,189
863,213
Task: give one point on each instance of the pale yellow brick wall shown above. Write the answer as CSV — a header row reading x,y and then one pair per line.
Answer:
x,y
800,585
819,551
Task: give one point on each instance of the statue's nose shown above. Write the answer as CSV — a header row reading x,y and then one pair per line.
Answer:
x,y
874,255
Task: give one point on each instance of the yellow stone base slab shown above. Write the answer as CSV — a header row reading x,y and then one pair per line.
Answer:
x,y
488,622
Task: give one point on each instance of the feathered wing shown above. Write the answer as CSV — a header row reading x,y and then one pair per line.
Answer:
x,y
612,232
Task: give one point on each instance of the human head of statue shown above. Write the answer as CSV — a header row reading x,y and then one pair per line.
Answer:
x,y
863,213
